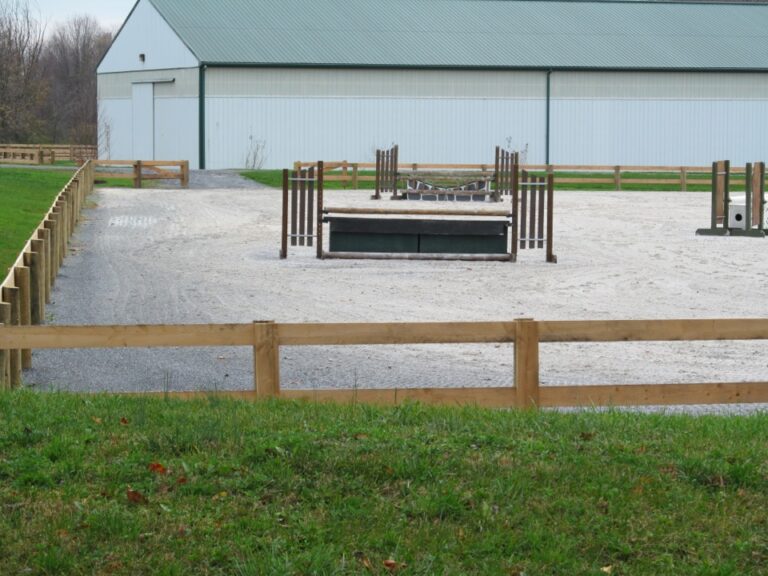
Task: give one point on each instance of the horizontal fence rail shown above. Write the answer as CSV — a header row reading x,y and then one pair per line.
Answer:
x,y
46,153
142,170
266,338
614,176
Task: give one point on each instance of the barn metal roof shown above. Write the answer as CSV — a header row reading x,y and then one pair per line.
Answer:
x,y
518,34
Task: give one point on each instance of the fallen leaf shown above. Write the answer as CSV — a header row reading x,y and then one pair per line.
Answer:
x,y
96,420
392,565
136,497
157,468
587,436
181,480
124,421
606,569
361,436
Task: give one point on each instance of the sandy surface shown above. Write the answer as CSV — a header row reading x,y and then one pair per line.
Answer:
x,y
189,256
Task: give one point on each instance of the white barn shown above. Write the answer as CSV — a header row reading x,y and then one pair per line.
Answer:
x,y
225,83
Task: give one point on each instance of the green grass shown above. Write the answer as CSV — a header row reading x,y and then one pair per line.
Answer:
x,y
25,197
696,182
296,488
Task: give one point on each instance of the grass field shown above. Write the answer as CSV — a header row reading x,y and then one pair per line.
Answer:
x,y
116,485
25,196
696,182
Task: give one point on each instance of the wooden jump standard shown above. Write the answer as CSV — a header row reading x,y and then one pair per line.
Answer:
x,y
454,234
724,222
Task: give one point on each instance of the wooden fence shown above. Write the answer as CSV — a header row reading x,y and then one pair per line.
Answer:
x,y
46,153
142,170
266,338
27,287
615,176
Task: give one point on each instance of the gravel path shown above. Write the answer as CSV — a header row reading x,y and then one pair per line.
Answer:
x,y
189,256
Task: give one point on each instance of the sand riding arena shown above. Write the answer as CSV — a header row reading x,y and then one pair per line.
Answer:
x,y
211,256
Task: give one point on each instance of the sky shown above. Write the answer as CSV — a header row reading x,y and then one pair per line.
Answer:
x,y
110,13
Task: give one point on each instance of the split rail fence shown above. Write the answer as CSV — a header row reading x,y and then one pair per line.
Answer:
x,y
46,153
266,338
617,177
26,289
142,170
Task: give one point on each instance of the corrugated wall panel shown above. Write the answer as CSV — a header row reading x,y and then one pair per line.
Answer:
x,y
658,118
176,129
427,130
185,83
660,85
304,82
116,129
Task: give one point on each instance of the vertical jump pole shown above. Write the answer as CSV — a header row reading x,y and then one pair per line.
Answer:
x,y
319,209
284,226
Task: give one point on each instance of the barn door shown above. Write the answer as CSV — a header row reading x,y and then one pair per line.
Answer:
x,y
143,121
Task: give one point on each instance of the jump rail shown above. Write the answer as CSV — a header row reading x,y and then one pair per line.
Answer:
x,y
26,289
266,338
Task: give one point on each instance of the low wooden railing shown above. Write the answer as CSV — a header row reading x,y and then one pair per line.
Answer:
x,y
142,170
46,153
26,289
617,177
266,338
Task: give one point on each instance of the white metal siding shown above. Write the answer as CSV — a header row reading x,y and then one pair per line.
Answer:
x,y
176,129
146,32
435,116
143,111
427,130
176,114
658,118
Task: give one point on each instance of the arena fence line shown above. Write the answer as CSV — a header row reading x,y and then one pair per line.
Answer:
x,y
26,289
266,338
616,176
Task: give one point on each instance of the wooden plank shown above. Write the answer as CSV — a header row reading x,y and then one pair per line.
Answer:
x,y
319,210
416,256
526,364
305,175
11,296
294,209
266,358
484,397
652,330
284,219
136,336
523,208
395,333
654,394
550,219
414,211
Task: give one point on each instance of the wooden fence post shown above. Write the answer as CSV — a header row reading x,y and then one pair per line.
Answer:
x,y
37,279
5,355
185,173
617,177
45,235
137,174
355,175
11,296
266,358
683,179
527,363
22,279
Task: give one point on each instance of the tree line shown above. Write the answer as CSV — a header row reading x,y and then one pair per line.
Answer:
x,y
48,78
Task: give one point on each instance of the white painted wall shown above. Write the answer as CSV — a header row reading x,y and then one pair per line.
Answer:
x,y
143,116
435,116
175,111
146,32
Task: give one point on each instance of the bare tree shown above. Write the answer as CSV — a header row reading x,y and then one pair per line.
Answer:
x,y
21,84
71,56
